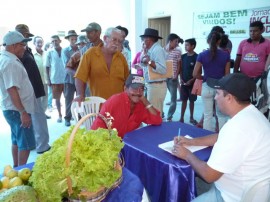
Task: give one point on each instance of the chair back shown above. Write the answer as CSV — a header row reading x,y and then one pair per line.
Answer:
x,y
90,105
257,191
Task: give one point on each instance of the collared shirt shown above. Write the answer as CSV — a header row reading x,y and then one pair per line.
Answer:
x,y
157,54
119,108
67,53
253,56
103,82
57,69
40,60
13,73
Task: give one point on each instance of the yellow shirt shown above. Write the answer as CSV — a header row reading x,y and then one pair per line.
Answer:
x,y
102,82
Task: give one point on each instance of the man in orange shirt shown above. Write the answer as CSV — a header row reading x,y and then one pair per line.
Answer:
x,y
105,68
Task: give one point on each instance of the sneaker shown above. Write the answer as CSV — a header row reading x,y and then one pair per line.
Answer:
x,y
44,151
67,123
47,117
169,120
59,120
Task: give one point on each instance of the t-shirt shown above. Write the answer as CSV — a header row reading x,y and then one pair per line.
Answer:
x,y
102,81
119,108
242,153
213,68
188,64
253,57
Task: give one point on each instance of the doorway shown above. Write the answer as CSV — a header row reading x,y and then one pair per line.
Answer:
x,y
163,25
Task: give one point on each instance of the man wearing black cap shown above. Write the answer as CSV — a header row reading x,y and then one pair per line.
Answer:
x,y
69,85
241,150
17,98
130,108
155,59
39,118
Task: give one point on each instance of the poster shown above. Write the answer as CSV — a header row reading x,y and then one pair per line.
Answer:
x,y
235,23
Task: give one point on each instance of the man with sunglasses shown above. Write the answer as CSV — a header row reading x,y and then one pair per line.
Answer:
x,y
130,108
17,98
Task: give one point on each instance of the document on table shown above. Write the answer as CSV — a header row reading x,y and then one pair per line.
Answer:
x,y
168,146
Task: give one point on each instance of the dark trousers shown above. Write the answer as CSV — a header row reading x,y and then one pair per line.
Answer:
x,y
69,91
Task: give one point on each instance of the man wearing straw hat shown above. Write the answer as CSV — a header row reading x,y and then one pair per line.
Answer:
x,y
69,86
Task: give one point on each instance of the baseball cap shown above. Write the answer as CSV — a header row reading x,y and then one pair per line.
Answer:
x,y
24,29
92,26
135,81
14,37
81,39
237,84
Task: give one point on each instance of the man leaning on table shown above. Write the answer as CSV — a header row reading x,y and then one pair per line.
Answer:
x,y
129,108
241,152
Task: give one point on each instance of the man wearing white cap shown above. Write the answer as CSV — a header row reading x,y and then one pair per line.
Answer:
x,y
17,98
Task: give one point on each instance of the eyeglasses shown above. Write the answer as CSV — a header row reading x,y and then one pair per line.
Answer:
x,y
138,89
115,40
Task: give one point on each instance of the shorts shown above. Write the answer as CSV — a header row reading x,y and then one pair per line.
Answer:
x,y
57,90
185,94
24,138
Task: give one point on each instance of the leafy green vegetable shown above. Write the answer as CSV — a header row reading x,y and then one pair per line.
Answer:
x,y
93,157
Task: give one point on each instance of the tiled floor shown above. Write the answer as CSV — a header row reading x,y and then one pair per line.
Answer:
x,y
57,129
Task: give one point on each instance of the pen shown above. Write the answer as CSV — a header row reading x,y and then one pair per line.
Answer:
x,y
179,132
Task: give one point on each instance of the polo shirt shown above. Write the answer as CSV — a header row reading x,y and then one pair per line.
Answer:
x,y
103,82
253,56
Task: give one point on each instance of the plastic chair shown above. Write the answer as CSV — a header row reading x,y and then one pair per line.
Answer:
x,y
255,189
90,105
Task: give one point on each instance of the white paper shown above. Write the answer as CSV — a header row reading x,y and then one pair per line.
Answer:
x,y
168,146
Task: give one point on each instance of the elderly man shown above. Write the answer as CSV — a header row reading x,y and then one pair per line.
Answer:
x,y
104,67
17,98
241,150
129,108
39,118
155,58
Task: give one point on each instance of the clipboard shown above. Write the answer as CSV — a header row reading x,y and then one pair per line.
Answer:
x,y
169,72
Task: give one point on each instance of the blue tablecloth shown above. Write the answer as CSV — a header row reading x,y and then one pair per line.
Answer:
x,y
130,189
165,177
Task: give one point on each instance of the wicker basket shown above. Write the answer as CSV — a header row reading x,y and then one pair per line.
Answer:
x,y
102,192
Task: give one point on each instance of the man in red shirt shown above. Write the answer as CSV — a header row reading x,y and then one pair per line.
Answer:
x,y
129,108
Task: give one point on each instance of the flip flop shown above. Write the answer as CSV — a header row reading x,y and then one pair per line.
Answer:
x,y
193,121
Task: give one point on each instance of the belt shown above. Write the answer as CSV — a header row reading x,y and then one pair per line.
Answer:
x,y
156,82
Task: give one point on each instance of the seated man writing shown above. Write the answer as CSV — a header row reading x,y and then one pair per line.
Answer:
x,y
129,108
241,152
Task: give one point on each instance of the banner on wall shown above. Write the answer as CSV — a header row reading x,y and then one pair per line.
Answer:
x,y
235,22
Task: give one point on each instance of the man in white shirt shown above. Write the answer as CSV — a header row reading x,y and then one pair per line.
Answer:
x,y
241,152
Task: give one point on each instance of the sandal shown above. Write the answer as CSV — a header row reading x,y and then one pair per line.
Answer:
x,y
193,121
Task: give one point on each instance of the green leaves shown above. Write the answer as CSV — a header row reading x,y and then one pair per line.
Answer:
x,y
93,158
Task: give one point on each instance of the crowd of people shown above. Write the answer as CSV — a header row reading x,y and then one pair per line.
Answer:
x,y
29,79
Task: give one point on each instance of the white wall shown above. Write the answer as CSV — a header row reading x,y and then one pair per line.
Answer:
x,y
181,12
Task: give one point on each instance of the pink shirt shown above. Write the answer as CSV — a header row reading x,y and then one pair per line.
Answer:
x,y
137,60
175,56
253,57
119,107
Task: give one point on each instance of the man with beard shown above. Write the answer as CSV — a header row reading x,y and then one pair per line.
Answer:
x,y
104,67
129,108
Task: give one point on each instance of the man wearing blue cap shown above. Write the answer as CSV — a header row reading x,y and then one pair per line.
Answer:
x,y
241,150
17,98
129,108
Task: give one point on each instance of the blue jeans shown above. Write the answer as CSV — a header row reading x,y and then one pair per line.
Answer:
x,y
24,138
172,85
50,96
213,195
208,95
